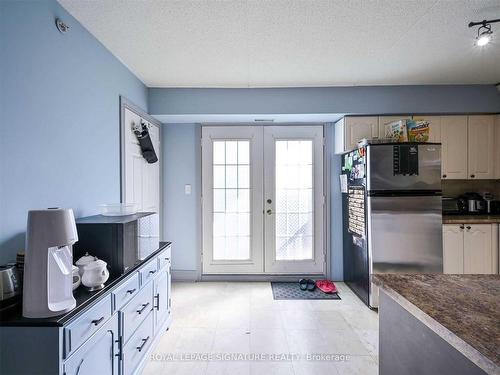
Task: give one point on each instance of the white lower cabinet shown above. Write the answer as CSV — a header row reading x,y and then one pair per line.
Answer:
x,y
99,355
470,248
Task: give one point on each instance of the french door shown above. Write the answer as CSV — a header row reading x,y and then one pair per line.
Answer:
x,y
263,203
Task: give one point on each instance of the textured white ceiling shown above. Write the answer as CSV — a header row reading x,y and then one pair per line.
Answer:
x,y
273,43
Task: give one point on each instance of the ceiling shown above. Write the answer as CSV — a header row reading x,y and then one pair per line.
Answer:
x,y
277,43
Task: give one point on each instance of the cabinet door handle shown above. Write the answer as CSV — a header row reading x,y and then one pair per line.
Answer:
x,y
96,322
144,341
462,226
152,271
444,176
472,176
131,291
144,305
468,227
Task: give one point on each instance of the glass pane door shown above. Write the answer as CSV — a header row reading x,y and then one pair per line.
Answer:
x,y
293,186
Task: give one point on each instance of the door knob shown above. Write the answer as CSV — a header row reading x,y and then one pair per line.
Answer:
x,y
269,212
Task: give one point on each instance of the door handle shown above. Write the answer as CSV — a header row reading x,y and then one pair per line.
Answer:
x,y
269,212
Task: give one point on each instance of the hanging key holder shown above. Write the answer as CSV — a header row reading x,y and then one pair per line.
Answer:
x,y
141,131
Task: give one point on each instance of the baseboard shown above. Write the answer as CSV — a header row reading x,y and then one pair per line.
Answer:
x,y
258,277
184,275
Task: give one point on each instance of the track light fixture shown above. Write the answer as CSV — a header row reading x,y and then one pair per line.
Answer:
x,y
484,33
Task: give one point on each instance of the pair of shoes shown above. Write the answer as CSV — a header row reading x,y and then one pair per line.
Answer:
x,y
307,284
326,286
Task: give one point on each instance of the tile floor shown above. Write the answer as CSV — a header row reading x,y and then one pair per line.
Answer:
x,y
243,318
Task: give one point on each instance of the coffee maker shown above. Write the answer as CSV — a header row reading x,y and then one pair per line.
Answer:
x,y
48,280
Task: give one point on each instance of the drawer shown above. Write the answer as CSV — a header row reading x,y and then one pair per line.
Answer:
x,y
138,345
149,271
136,311
126,292
87,324
164,257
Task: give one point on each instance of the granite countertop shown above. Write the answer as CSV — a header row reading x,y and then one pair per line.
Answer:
x,y
464,310
471,219
84,300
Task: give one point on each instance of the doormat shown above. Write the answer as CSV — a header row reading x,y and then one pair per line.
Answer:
x,y
291,290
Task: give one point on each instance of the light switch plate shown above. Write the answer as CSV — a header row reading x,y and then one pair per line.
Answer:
x,y
187,189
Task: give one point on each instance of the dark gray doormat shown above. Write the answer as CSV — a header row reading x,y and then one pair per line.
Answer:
x,y
291,290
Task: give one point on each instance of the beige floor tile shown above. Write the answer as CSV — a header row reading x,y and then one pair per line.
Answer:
x,y
231,341
271,368
268,340
331,320
358,365
314,368
265,318
305,341
369,338
344,342
228,368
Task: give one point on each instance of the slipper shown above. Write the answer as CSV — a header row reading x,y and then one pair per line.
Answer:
x,y
303,284
326,286
311,285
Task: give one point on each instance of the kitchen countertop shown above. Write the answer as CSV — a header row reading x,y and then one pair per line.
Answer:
x,y
471,219
84,299
464,310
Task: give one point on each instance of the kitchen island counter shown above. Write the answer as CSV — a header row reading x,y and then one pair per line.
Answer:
x,y
453,320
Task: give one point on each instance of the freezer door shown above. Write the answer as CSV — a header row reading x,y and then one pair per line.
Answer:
x,y
388,164
404,236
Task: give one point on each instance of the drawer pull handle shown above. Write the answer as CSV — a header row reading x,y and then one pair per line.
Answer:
x,y
144,341
144,305
131,291
96,322
152,271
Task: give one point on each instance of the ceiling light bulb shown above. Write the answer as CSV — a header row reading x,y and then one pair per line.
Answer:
x,y
483,39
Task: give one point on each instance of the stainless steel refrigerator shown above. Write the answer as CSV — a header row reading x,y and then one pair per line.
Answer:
x,y
391,196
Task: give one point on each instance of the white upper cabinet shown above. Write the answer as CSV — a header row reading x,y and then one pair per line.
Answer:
x,y
434,126
350,130
454,147
357,128
383,120
481,144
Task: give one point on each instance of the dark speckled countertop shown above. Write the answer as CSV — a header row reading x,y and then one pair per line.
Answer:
x,y
471,219
462,309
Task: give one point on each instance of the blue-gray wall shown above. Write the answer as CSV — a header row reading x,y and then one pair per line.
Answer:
x,y
355,100
182,213
59,129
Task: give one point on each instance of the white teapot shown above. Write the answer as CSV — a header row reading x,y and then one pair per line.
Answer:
x,y
94,272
